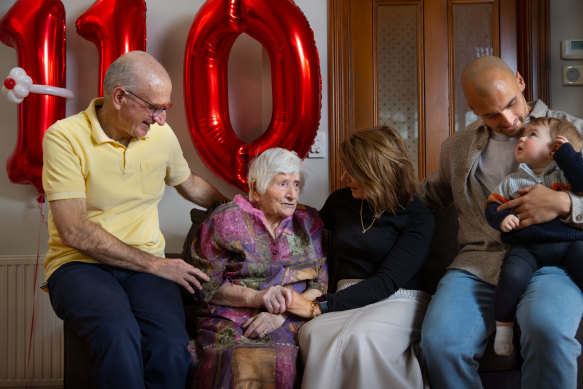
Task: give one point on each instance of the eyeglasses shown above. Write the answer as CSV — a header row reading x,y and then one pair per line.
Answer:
x,y
156,109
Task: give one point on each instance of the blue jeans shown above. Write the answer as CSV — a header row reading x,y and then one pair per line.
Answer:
x,y
132,323
523,260
460,318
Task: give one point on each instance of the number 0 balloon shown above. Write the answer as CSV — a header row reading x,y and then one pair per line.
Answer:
x,y
281,27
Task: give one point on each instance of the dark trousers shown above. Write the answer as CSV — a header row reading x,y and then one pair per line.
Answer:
x,y
522,261
133,324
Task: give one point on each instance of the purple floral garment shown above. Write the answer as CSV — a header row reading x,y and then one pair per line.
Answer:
x,y
233,245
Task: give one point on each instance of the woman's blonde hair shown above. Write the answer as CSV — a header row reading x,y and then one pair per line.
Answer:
x,y
377,159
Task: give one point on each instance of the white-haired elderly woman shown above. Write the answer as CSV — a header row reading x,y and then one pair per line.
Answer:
x,y
256,251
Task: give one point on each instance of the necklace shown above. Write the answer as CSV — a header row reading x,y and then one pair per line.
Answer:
x,y
362,223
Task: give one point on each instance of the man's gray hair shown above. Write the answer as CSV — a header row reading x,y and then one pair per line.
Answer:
x,y
269,164
122,73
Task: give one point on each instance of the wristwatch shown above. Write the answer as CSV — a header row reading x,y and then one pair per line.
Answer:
x,y
323,303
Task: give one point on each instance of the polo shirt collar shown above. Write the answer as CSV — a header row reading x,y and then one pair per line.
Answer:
x,y
96,131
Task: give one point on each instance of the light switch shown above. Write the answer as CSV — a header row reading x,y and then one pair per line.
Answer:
x,y
318,149
573,75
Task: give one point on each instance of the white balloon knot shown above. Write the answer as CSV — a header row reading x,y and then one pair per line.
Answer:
x,y
18,85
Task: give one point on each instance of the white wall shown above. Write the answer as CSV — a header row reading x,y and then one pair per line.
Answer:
x,y
565,24
168,25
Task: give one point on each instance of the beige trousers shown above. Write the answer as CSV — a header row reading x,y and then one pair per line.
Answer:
x,y
375,346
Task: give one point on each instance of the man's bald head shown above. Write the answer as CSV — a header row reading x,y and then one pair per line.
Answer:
x,y
481,75
495,94
135,70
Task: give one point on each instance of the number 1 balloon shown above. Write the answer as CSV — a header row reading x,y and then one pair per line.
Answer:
x,y
36,29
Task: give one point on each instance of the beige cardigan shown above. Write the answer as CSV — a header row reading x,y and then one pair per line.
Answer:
x,y
481,251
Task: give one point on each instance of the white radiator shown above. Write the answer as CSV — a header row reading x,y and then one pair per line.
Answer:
x,y
16,304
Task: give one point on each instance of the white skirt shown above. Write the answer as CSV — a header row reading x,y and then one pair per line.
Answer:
x,y
375,346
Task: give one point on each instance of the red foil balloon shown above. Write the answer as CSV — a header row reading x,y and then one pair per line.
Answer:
x,y
36,29
115,27
281,27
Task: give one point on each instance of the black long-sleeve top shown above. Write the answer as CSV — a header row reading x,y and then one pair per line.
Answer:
x,y
388,256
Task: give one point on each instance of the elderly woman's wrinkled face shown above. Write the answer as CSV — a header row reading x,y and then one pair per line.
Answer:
x,y
281,197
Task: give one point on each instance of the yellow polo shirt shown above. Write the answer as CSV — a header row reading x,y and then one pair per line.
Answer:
x,y
122,186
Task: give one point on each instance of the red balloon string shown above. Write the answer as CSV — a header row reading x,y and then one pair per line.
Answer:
x,y
42,221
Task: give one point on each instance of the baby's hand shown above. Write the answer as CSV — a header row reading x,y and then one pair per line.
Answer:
x,y
560,140
509,223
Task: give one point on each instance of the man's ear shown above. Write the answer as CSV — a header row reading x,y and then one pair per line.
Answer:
x,y
520,82
116,97
471,108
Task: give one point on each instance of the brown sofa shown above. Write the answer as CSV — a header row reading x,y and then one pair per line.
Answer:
x,y
495,371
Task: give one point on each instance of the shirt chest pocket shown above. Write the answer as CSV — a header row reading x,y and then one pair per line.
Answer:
x,y
153,175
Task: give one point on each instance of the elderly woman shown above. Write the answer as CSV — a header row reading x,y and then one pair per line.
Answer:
x,y
256,251
366,334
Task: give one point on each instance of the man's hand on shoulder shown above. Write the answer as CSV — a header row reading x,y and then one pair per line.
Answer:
x,y
199,191
538,204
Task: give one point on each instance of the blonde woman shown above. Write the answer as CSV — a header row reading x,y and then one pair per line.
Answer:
x,y
365,335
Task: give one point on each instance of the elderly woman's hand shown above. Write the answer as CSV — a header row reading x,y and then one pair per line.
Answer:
x,y
275,299
262,324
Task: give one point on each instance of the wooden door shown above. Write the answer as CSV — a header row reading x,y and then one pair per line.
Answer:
x,y
398,62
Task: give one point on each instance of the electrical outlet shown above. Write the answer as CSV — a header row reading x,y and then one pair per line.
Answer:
x,y
318,149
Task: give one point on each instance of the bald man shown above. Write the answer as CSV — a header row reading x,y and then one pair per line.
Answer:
x,y
460,316
104,173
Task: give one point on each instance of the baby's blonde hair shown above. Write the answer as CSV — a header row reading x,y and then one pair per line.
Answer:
x,y
560,127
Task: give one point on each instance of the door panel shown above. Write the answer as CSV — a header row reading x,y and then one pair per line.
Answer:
x,y
474,33
399,94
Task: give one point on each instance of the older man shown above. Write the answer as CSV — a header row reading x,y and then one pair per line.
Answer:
x,y
461,317
104,174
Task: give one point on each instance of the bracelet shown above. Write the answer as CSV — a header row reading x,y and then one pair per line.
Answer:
x,y
313,309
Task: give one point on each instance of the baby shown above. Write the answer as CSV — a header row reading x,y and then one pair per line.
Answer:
x,y
548,154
